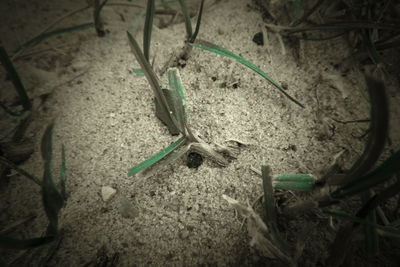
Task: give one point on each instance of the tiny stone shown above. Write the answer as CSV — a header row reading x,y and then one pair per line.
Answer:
x,y
107,193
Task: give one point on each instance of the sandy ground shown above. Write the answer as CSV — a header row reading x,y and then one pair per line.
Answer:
x,y
104,115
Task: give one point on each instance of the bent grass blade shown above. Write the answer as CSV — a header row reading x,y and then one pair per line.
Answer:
x,y
161,100
157,157
53,200
222,51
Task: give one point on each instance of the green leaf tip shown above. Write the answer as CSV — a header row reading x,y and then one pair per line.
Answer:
x,y
205,45
53,200
157,157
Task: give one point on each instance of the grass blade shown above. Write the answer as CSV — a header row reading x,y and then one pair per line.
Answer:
x,y
345,25
297,182
379,114
15,167
389,231
52,199
295,178
298,7
12,113
63,173
47,35
157,157
138,72
371,235
98,24
270,207
13,243
19,87
295,186
178,97
197,29
206,150
165,111
186,16
148,25
379,175
222,51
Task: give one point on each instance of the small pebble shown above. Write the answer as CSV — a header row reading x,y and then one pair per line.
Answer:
x,y
107,193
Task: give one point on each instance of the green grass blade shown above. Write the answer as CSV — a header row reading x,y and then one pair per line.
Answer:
x,y
345,25
371,235
157,157
47,35
206,150
13,243
138,72
52,199
155,86
270,207
295,186
295,178
379,126
186,16
19,87
384,172
391,231
396,223
63,174
15,167
297,182
12,113
298,9
148,25
178,96
97,20
197,29
222,51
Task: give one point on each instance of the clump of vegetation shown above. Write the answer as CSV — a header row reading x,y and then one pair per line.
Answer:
x,y
54,197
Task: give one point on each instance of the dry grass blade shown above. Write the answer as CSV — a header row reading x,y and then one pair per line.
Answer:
x,y
165,109
148,25
259,233
186,16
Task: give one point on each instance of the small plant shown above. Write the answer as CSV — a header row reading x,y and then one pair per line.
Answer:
x,y
190,35
171,110
205,45
53,196
16,80
369,25
98,24
359,180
